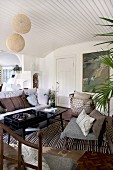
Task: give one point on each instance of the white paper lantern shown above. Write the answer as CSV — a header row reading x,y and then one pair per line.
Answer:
x,y
15,42
21,23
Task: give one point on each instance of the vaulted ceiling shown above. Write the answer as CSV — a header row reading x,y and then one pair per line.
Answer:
x,y
55,23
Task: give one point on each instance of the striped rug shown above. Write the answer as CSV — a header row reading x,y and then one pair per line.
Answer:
x,y
51,137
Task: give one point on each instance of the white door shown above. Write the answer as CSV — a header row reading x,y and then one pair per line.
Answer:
x,y
65,80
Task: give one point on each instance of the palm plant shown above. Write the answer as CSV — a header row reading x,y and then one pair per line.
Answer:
x,y
104,92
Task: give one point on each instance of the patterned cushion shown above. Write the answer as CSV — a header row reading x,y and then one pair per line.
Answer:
x,y
77,105
85,122
7,104
30,155
99,120
32,99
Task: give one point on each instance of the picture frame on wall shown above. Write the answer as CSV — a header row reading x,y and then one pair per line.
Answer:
x,y
94,71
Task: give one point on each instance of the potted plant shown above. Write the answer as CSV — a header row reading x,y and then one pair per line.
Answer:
x,y
51,97
104,92
17,68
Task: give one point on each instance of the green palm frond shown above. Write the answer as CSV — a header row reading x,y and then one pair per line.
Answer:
x,y
106,42
107,60
105,25
103,93
105,34
107,19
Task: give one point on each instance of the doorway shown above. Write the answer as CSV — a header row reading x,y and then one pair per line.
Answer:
x,y
65,80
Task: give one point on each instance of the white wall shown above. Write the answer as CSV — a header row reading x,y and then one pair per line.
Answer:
x,y
31,63
47,74
48,64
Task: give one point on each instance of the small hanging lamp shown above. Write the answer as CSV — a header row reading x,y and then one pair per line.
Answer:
x,y
15,42
21,23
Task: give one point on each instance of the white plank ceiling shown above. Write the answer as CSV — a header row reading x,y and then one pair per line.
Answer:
x,y
55,23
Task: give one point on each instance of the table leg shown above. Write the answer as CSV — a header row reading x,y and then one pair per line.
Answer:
x,y
47,122
61,122
8,138
23,133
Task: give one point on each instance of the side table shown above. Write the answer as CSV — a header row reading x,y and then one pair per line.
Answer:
x,y
95,161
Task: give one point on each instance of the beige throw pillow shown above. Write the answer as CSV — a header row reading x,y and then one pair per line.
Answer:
x,y
82,96
85,122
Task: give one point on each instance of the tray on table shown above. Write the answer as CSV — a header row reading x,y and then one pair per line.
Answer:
x,y
23,118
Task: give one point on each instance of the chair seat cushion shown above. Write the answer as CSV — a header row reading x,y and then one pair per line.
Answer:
x,y
59,163
73,130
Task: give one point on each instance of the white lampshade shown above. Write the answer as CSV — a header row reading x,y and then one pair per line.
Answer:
x,y
21,23
15,42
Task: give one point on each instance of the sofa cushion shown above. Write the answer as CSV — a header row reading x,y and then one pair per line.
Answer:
x,y
18,102
85,122
30,91
83,96
32,99
13,93
99,120
21,103
73,130
25,102
7,104
77,105
2,95
42,98
2,110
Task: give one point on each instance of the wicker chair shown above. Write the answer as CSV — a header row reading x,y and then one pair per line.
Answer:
x,y
73,131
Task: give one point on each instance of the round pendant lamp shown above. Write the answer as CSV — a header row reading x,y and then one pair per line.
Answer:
x,y
21,23
15,42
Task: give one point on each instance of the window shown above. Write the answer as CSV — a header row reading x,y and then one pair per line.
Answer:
x,y
7,72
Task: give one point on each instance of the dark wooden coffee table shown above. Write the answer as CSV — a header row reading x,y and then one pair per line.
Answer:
x,y
23,120
18,121
54,113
